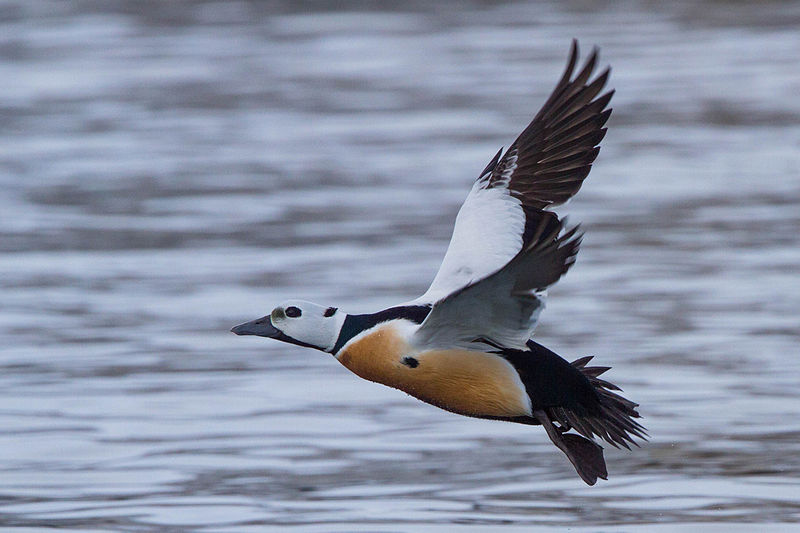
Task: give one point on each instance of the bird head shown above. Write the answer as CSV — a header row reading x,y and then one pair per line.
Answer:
x,y
298,322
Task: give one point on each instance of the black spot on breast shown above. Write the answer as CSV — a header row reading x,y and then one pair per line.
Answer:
x,y
329,312
410,362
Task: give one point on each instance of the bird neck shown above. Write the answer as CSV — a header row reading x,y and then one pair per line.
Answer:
x,y
355,324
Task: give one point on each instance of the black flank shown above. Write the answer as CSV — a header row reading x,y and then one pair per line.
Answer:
x,y
355,324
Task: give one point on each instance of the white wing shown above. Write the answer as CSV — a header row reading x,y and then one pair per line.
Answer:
x,y
545,166
486,236
502,308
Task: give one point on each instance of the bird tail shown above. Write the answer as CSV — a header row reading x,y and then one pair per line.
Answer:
x,y
612,419
567,396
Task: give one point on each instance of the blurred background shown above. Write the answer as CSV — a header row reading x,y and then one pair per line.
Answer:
x,y
170,169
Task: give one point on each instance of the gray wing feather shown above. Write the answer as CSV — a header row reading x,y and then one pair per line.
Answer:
x,y
504,306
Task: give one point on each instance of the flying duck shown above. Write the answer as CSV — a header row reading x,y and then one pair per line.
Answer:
x,y
465,345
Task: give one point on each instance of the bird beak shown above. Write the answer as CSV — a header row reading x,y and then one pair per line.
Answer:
x,y
261,326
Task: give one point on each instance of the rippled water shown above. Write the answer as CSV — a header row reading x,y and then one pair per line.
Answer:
x,y
168,170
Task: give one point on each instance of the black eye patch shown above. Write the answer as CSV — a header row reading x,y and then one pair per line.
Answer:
x,y
293,312
329,312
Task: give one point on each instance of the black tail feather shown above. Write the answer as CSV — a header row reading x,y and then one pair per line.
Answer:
x,y
566,396
613,417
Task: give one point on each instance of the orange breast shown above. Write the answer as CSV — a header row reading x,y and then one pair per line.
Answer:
x,y
467,382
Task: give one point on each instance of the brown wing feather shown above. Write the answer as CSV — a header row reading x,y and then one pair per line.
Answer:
x,y
548,162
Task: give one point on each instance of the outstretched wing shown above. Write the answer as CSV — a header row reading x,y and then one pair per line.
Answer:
x,y
502,308
545,166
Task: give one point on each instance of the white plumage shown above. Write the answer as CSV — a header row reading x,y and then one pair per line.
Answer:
x,y
487,235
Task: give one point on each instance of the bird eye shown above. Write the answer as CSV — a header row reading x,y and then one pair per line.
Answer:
x,y
293,312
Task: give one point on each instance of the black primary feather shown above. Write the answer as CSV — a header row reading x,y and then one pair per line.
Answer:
x,y
546,165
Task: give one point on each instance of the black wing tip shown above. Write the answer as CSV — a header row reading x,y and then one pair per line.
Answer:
x,y
601,79
574,54
574,49
571,87
568,85
603,117
590,63
571,122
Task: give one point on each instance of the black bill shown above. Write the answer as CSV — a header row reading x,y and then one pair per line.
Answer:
x,y
261,326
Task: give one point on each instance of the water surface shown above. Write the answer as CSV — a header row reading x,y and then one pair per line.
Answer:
x,y
168,170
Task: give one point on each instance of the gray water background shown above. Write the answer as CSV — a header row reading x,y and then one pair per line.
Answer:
x,y
170,169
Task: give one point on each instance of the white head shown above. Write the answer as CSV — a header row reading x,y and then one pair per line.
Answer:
x,y
298,322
